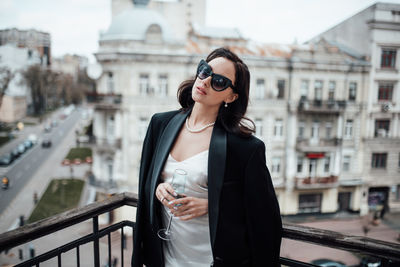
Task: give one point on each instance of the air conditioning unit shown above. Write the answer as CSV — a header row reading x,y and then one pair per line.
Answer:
x,y
386,107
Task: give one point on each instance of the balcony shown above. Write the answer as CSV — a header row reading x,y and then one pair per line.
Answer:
x,y
310,145
105,102
321,107
103,145
388,253
317,182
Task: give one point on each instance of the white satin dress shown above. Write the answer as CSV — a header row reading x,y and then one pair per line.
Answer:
x,y
190,246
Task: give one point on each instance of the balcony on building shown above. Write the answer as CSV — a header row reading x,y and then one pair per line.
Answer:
x,y
107,144
317,182
321,106
316,145
105,102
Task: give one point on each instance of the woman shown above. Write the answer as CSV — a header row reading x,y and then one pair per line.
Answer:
x,y
229,215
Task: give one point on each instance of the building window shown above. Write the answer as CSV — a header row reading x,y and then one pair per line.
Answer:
x,y
327,162
385,91
346,163
281,89
278,128
398,192
301,129
110,83
328,130
382,128
388,58
312,167
352,91
310,203
331,92
142,128
276,165
260,89
348,129
259,128
379,160
162,85
300,160
315,130
304,89
144,84
318,90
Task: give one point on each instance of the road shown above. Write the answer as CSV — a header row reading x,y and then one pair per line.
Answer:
x,y
22,170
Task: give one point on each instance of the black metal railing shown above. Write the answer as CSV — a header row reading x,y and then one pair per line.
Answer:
x,y
387,252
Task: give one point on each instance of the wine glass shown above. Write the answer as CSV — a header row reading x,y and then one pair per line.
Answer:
x,y
178,183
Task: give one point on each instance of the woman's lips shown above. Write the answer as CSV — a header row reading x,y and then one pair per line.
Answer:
x,y
201,91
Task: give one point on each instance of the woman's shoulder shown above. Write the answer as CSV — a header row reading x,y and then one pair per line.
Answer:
x,y
162,116
161,119
246,142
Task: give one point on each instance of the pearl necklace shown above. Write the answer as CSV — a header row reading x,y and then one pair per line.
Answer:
x,y
197,130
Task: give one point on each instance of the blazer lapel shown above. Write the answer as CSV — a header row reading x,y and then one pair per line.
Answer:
x,y
161,153
216,172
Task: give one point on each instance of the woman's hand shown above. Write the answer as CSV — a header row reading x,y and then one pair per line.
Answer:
x,y
187,208
165,193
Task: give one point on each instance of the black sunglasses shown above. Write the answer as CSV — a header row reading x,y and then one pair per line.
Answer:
x,y
218,82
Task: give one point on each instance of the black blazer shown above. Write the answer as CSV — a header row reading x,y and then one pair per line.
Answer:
x,y
244,216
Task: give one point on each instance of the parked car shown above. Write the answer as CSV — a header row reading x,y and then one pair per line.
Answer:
x,y
15,153
21,148
328,263
6,159
33,138
46,143
28,144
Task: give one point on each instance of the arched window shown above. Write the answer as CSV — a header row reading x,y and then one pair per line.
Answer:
x,y
154,34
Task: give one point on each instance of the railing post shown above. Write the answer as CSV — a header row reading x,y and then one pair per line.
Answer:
x,y
122,246
96,251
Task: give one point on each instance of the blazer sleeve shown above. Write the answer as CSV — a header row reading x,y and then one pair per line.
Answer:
x,y
145,162
263,218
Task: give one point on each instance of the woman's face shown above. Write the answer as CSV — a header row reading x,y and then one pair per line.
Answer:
x,y
203,93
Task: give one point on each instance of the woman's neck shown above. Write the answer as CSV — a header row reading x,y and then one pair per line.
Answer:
x,y
202,115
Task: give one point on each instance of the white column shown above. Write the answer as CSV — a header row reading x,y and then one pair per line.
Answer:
x,y
336,162
394,131
339,132
290,170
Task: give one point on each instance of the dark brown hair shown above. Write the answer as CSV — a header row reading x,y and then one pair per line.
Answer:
x,y
232,117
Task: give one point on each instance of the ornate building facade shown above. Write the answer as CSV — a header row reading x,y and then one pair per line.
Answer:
x,y
310,103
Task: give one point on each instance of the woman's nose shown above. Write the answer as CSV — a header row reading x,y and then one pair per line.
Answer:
x,y
206,81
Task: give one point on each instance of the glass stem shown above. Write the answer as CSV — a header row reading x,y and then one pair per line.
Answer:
x,y
169,224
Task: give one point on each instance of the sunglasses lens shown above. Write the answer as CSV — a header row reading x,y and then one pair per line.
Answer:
x,y
203,72
219,83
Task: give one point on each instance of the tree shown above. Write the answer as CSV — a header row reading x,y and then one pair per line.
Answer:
x,y
51,89
6,75
34,79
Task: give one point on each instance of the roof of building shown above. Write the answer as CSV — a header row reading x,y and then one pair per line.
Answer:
x,y
133,24
216,32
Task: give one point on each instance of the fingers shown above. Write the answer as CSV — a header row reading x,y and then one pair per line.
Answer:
x,y
165,193
190,207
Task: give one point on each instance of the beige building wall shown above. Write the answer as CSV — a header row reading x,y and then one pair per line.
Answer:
x,y
13,108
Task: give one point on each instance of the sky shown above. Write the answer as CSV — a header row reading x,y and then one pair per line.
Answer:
x,y
75,25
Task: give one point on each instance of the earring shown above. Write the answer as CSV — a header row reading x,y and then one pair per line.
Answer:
x,y
226,104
